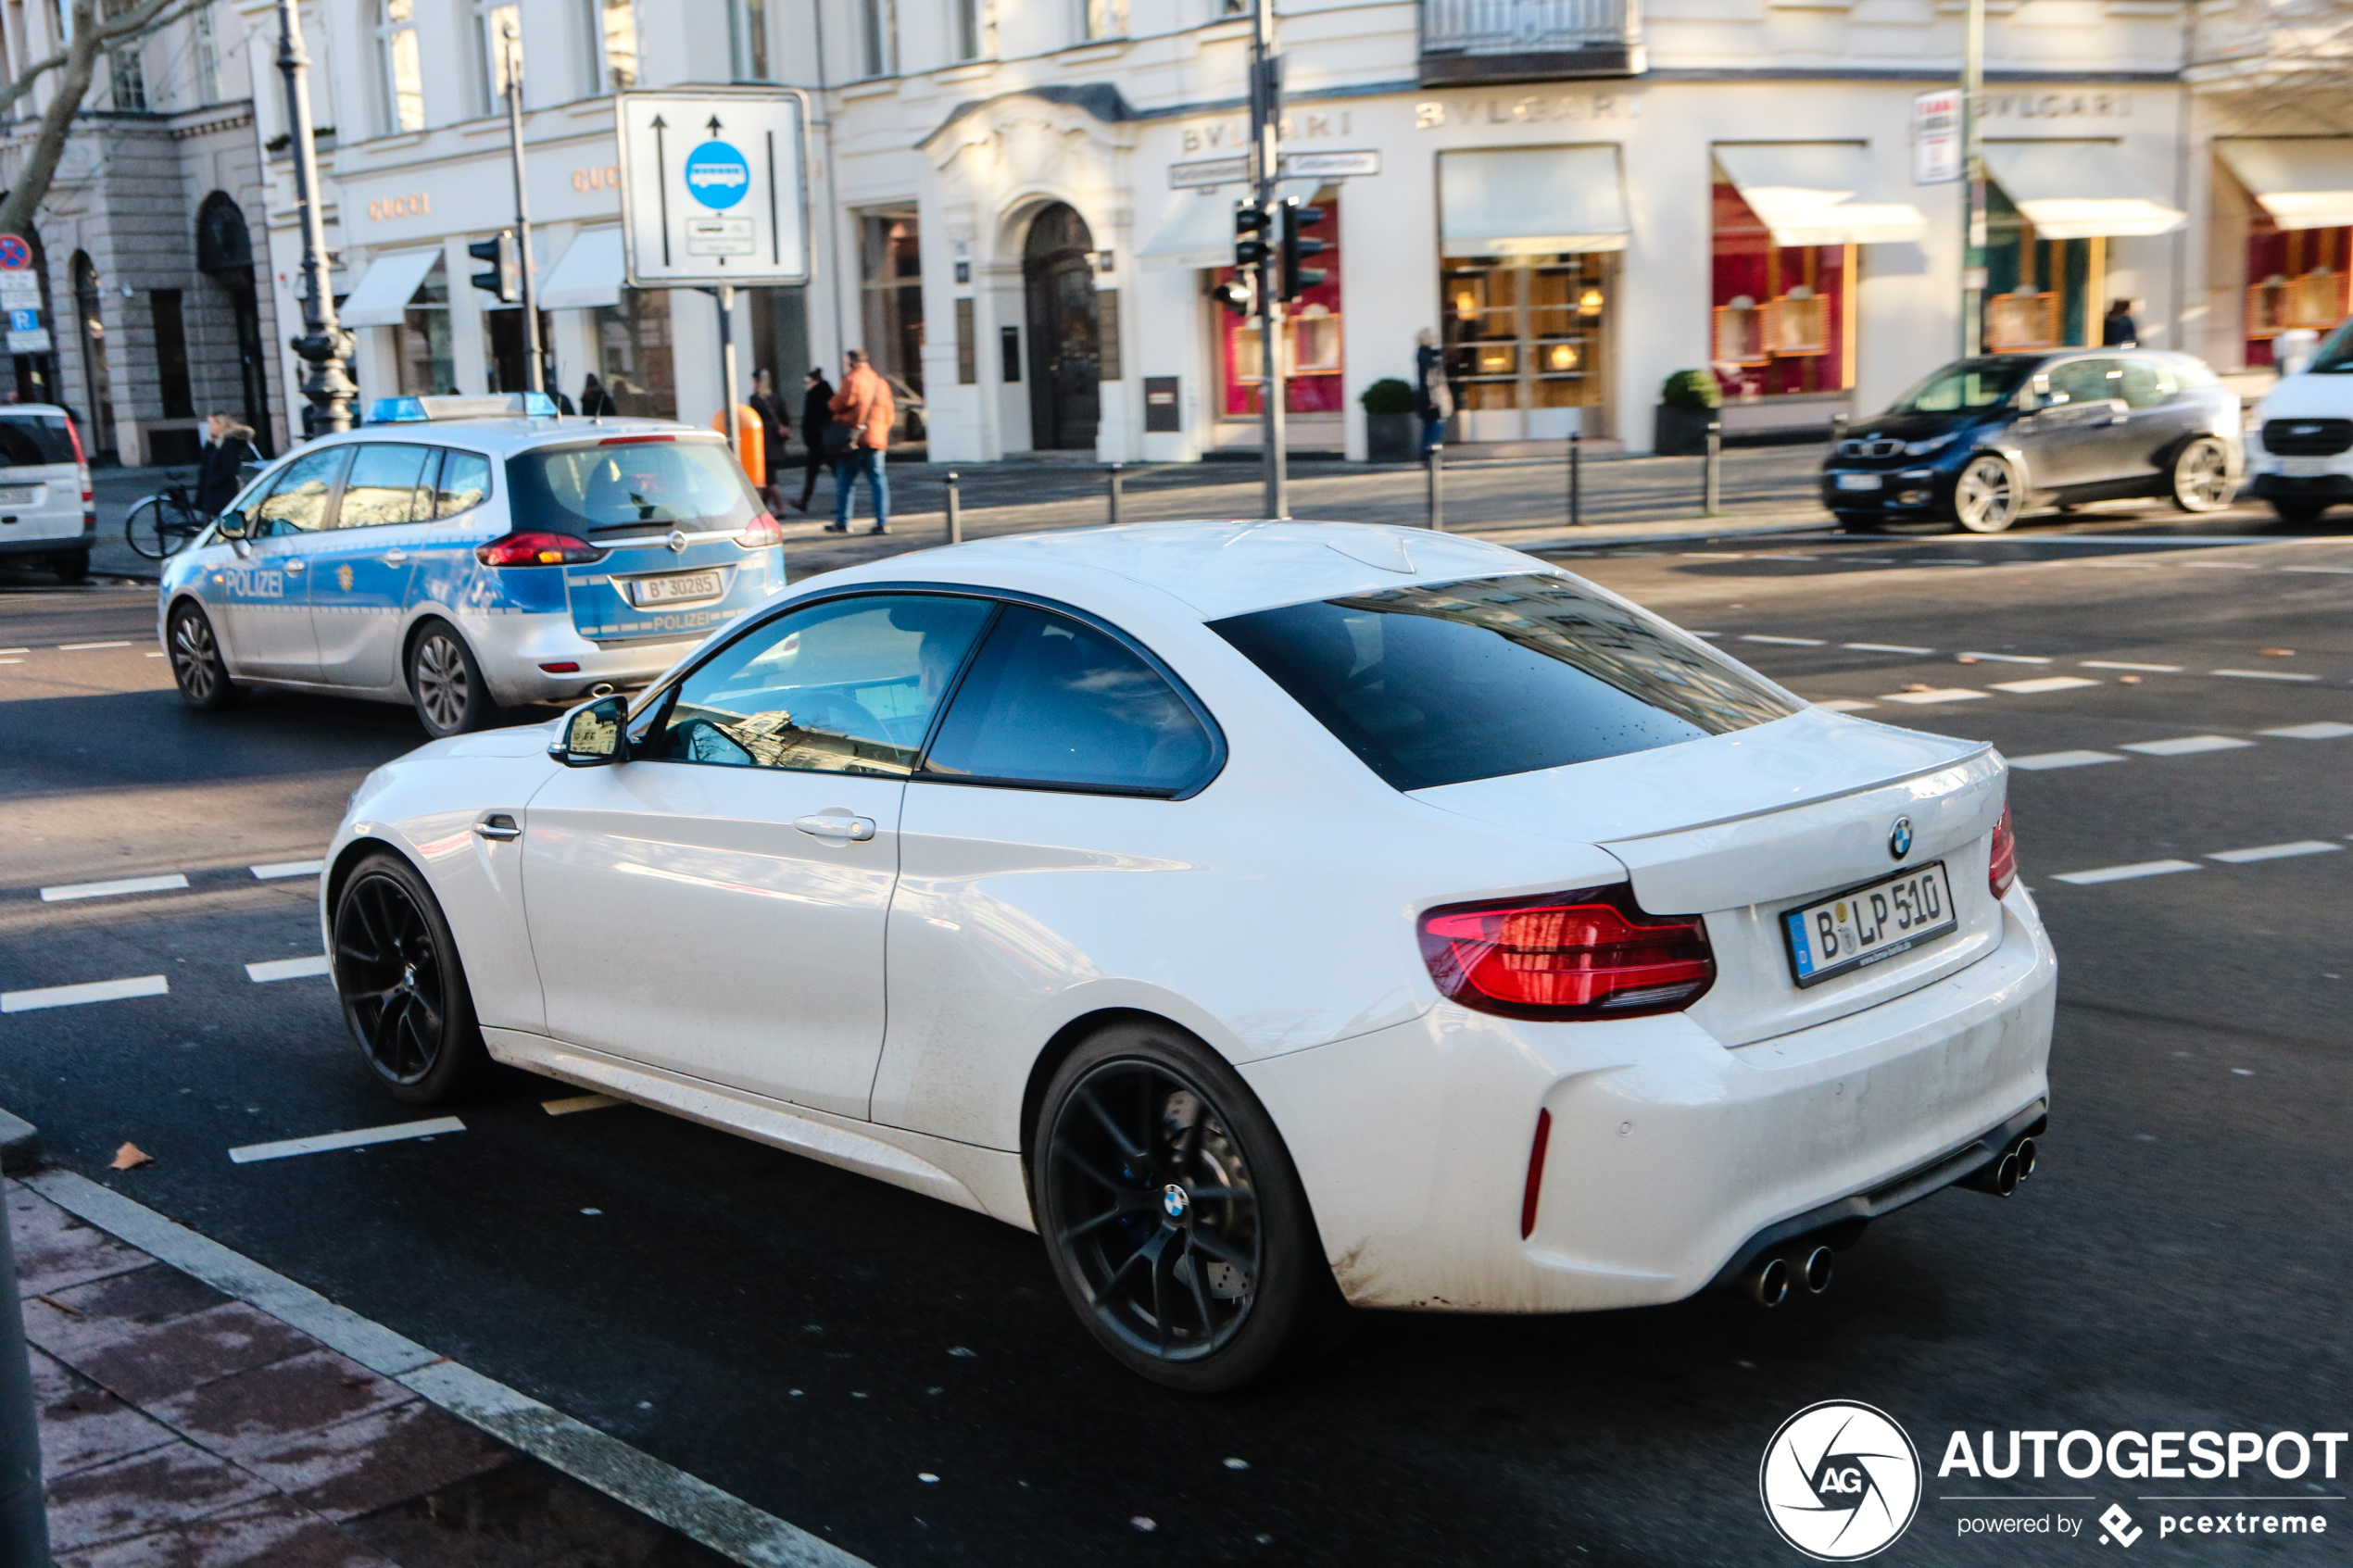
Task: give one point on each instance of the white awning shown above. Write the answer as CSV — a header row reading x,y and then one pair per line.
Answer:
x,y
1201,231
1530,201
381,298
591,273
2080,190
2303,181
1804,193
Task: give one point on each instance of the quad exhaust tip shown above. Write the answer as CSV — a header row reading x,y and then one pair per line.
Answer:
x,y
1767,1283
1817,1269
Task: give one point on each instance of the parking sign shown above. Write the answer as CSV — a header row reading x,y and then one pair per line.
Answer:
x,y
710,187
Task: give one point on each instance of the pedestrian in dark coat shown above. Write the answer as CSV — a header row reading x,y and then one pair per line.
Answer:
x,y
816,413
2118,330
594,400
230,449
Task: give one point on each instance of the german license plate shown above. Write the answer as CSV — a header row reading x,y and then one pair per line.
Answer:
x,y
1858,482
1868,924
645,591
2304,468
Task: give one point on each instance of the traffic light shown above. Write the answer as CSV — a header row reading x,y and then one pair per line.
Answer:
x,y
1251,224
505,277
1239,294
1297,279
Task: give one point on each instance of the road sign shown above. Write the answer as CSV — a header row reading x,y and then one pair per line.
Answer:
x,y
33,342
710,187
15,255
24,320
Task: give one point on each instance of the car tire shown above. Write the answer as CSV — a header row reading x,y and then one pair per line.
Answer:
x,y
446,684
1859,522
1989,496
2200,478
403,988
2299,514
1232,1284
71,568
197,668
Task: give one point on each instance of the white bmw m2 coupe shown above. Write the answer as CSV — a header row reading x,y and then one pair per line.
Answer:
x,y
1273,916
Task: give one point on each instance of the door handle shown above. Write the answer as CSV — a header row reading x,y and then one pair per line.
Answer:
x,y
293,565
857,829
498,827
396,557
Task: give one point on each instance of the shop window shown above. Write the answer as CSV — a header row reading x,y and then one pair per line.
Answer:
x,y
423,363
2295,278
1524,331
2038,294
1311,338
1781,322
890,293
632,354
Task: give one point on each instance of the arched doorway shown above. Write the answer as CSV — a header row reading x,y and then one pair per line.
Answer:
x,y
224,254
1065,336
97,379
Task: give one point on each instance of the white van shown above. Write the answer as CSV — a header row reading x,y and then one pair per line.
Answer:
x,y
45,511
2300,454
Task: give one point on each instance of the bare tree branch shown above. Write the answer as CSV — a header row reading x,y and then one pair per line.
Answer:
x,y
77,62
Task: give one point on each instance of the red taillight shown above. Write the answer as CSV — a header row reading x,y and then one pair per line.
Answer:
x,y
561,667
1590,954
760,532
2002,870
80,457
1535,1174
537,549
632,440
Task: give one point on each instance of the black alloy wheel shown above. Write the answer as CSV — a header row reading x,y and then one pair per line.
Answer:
x,y
447,684
1172,1216
196,665
404,991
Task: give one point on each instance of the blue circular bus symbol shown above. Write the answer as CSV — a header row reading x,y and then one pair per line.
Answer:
x,y
717,175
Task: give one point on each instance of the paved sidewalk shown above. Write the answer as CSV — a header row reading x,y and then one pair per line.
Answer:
x,y
183,1429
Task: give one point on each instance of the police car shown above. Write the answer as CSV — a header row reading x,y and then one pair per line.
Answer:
x,y
466,554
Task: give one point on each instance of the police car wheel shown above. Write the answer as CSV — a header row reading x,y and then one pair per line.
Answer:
x,y
403,988
445,682
196,664
1172,1216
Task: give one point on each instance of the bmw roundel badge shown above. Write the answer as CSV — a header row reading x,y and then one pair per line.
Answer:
x,y
1899,838
1174,1202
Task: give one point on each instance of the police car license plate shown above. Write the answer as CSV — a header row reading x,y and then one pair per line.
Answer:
x,y
645,591
1858,482
1868,924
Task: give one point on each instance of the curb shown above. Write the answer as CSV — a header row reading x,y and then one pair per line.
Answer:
x,y
19,1145
1673,530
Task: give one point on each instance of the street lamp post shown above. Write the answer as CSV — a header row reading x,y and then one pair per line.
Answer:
x,y
534,377
1972,182
325,345
1267,112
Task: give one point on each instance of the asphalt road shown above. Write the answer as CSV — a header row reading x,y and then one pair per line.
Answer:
x,y
815,1342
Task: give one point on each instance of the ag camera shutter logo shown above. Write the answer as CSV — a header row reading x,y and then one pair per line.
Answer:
x,y
717,175
1840,1481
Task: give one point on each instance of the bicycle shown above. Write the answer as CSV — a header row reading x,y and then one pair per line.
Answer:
x,y
162,524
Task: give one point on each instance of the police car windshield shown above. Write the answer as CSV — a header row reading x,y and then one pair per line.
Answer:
x,y
629,485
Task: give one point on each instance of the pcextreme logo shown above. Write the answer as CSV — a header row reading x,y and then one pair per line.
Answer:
x,y
1840,1481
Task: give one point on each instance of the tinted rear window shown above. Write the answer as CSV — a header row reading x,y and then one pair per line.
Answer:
x,y
630,487
32,441
1435,685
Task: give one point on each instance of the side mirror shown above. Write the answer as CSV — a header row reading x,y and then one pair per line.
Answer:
x,y
230,525
592,736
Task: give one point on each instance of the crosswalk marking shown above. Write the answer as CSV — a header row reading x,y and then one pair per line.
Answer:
x,y
2048,760
2125,873
1943,693
2186,745
2263,674
91,991
2325,730
288,969
2043,684
2275,851
289,868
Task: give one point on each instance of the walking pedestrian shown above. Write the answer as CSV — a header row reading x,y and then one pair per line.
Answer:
x,y
594,400
2117,329
1433,400
230,449
816,414
774,422
862,414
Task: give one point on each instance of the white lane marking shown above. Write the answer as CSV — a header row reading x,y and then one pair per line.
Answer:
x,y
2263,674
108,889
2331,571
2326,729
1942,560
1885,648
1784,557
2125,873
2275,851
2120,664
74,995
2008,658
2047,759
1707,633
576,1103
322,1142
1845,705
72,647
287,969
289,868
151,656
2043,684
15,651
2186,745
11,662
1786,642
1710,555
2219,566
1944,694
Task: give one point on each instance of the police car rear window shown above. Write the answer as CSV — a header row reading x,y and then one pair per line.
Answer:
x,y
31,441
629,486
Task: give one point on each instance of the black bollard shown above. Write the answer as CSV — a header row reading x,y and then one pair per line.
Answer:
x,y
955,513
1712,487
1576,479
1114,494
1436,464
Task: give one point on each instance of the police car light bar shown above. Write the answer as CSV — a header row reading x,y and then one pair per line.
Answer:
x,y
416,410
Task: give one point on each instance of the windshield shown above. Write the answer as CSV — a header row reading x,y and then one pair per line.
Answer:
x,y
2335,357
32,441
1965,384
629,485
1436,685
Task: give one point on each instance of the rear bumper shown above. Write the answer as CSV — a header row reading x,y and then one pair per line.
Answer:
x,y
47,536
1670,1155
511,650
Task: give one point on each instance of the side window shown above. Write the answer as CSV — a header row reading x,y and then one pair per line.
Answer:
x,y
1051,701
843,687
2088,381
465,482
298,502
2146,383
382,485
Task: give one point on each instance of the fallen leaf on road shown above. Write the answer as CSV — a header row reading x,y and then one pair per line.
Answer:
x,y
2279,652
2128,680
1965,659
53,1302
129,1157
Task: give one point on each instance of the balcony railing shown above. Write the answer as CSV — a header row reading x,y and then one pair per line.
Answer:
x,y
1472,40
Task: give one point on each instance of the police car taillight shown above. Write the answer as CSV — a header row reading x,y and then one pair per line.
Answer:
x,y
537,549
760,532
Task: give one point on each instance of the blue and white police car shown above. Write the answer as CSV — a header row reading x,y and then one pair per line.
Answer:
x,y
466,554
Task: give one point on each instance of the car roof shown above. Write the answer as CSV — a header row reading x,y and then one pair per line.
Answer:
x,y
504,435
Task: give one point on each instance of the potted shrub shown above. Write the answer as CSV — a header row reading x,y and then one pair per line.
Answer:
x,y
1392,433
1686,404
